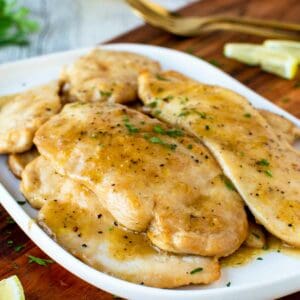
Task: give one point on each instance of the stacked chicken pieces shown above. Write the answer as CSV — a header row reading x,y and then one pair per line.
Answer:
x,y
154,193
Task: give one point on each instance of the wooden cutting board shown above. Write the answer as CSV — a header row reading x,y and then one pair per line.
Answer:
x,y
54,282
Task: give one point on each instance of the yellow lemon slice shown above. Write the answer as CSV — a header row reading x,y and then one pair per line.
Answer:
x,y
291,47
11,288
277,62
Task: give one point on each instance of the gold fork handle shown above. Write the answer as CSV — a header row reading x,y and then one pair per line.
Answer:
x,y
243,28
258,22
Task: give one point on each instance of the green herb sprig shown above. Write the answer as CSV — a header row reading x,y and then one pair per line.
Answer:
x,y
15,24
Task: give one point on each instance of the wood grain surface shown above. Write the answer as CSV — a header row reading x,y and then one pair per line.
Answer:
x,y
53,282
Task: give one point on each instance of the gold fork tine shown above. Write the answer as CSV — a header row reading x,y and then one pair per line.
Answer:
x,y
191,27
218,18
188,26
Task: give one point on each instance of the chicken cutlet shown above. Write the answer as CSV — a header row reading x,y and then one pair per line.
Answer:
x,y
264,169
284,128
149,176
104,75
23,113
17,162
76,219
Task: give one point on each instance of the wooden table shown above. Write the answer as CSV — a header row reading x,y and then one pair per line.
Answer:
x,y
54,282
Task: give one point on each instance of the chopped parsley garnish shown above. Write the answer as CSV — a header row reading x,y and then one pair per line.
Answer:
x,y
190,146
9,220
169,132
285,100
174,132
159,129
228,183
214,62
247,115
263,162
19,248
10,242
105,93
207,127
197,270
159,77
21,202
201,114
39,261
259,258
183,113
268,173
131,128
228,284
190,50
157,140
157,112
152,104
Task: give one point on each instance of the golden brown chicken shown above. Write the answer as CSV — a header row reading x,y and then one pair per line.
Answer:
x,y
150,177
105,75
75,217
22,114
264,169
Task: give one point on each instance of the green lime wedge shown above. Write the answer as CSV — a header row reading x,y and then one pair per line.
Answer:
x,y
277,62
290,47
11,288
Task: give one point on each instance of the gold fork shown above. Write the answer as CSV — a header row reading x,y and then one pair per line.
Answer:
x,y
158,16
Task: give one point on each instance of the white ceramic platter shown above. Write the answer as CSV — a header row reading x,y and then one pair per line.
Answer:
x,y
274,276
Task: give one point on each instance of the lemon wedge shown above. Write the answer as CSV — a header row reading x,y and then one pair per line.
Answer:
x,y
11,288
245,53
290,47
277,62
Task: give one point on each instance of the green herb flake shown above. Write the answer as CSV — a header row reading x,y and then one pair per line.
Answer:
x,y
285,99
190,50
183,113
214,62
21,202
268,173
201,114
10,242
228,183
15,24
39,261
197,270
156,140
105,93
131,128
19,248
247,115
158,129
263,162
174,132
9,220
190,146
159,77
152,104
207,127
259,258
157,112
228,284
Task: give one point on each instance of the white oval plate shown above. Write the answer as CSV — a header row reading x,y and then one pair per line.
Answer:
x,y
274,276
